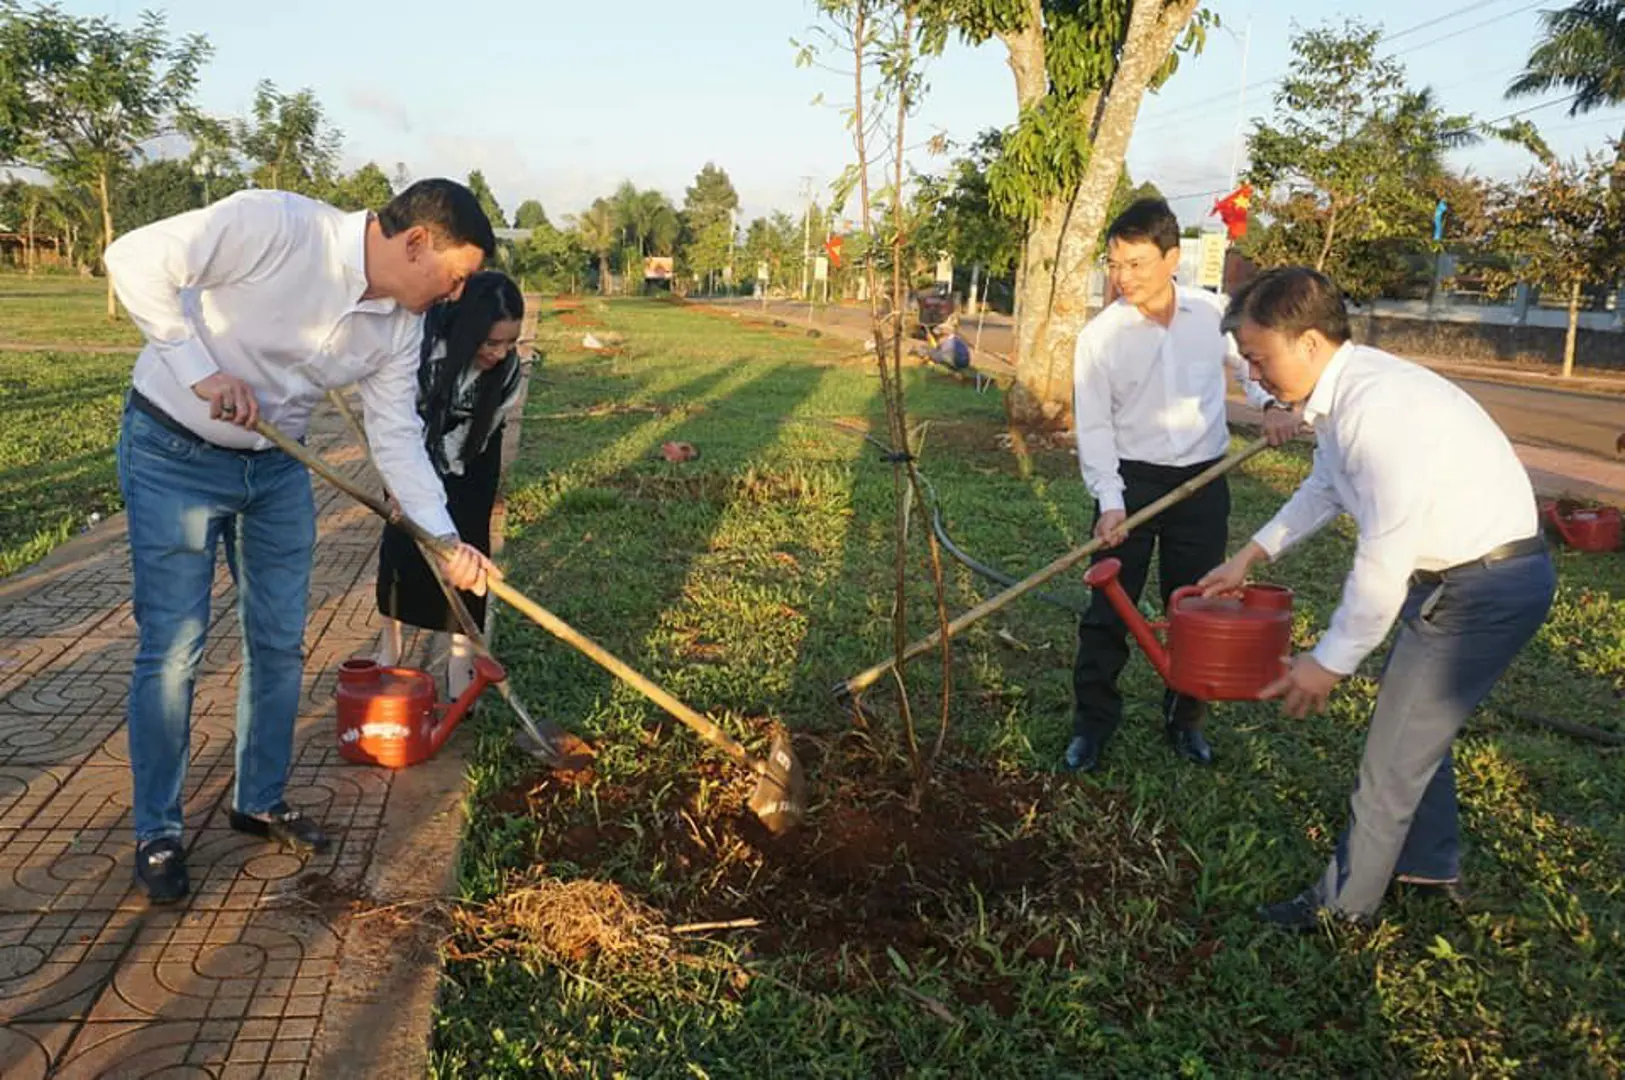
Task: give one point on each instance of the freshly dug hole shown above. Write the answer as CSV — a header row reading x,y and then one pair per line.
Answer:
x,y
863,874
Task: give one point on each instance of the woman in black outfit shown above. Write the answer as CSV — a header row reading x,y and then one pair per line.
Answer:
x,y
467,382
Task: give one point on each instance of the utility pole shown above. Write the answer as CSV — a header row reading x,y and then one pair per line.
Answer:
x,y
806,238
1241,105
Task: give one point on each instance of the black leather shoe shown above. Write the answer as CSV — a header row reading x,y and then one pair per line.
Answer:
x,y
1190,744
1082,754
160,865
1303,913
287,827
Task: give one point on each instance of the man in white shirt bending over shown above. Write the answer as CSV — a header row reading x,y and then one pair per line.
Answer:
x,y
253,307
1149,405
1449,544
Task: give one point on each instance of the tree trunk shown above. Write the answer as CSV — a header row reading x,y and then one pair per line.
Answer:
x,y
29,257
1031,402
1055,310
1326,245
106,201
1574,328
603,273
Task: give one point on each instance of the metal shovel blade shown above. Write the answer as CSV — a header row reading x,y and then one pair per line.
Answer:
x,y
780,798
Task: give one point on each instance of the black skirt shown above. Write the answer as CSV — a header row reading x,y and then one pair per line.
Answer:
x,y
407,590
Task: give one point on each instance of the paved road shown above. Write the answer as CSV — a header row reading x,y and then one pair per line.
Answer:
x,y
1562,419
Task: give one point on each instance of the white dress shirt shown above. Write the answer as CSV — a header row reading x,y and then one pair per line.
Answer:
x,y
266,286
1429,478
1147,392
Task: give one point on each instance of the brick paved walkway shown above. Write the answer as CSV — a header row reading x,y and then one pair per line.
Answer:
x,y
271,968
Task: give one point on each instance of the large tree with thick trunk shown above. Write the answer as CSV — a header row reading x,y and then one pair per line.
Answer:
x,y
1082,68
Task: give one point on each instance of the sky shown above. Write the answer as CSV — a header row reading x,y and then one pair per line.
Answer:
x,y
560,102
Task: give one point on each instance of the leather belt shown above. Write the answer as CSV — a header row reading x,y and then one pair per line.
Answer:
x,y
1514,549
144,404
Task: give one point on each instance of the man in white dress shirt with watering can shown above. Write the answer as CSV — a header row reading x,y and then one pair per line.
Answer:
x,y
1449,544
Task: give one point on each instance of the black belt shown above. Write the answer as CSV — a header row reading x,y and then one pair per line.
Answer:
x,y
1529,545
144,404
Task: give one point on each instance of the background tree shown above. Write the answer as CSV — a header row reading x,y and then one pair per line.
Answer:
x,y
488,200
289,141
776,241
1352,162
597,231
958,214
707,230
1082,68
86,94
154,191
365,189
1560,228
1583,51
645,219
548,260
529,215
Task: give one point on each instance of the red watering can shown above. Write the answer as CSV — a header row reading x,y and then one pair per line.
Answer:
x,y
389,716
1584,528
1223,648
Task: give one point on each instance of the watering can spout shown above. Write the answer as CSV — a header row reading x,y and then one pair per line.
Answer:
x,y
1556,519
486,672
1103,575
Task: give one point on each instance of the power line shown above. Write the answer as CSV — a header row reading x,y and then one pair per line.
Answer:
x,y
1534,108
1470,29
1175,116
1446,17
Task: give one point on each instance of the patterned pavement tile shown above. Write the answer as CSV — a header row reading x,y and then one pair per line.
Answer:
x,y
233,982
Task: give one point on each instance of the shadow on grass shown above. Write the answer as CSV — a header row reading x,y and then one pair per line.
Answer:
x,y
799,516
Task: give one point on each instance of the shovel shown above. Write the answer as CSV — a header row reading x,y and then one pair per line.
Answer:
x,y
780,798
860,682
548,741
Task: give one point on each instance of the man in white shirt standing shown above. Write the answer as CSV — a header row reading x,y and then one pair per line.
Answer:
x,y
253,307
1449,544
1149,406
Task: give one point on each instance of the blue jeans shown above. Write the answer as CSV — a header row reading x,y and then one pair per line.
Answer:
x,y
182,497
1455,640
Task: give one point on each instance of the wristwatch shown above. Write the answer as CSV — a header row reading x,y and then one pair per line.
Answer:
x,y
1273,404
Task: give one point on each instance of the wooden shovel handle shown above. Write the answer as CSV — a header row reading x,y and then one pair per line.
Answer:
x,y
865,679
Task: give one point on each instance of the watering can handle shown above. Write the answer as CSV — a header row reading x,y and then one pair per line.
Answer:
x,y
1181,594
1551,512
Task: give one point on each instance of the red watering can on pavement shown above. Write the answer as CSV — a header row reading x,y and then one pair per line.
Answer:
x,y
389,716
1223,648
1594,528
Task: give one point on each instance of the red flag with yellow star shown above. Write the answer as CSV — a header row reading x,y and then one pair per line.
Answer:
x,y
1232,210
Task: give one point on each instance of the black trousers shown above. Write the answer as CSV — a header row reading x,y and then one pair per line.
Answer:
x,y
1189,539
406,589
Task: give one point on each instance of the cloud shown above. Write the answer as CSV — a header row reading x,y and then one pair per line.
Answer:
x,y
391,110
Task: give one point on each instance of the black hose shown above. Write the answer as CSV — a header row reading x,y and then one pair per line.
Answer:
x,y
996,576
992,574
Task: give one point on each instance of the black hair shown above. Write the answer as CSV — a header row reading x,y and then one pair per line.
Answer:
x,y
1146,219
444,207
489,297
1291,300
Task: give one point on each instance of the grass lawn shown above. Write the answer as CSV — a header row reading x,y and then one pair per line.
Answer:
x,y
59,419
1026,923
57,310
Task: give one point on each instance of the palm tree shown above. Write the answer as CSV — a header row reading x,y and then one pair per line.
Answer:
x,y
657,223
1583,51
597,232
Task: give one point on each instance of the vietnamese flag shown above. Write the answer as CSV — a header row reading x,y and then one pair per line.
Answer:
x,y
833,247
1232,210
